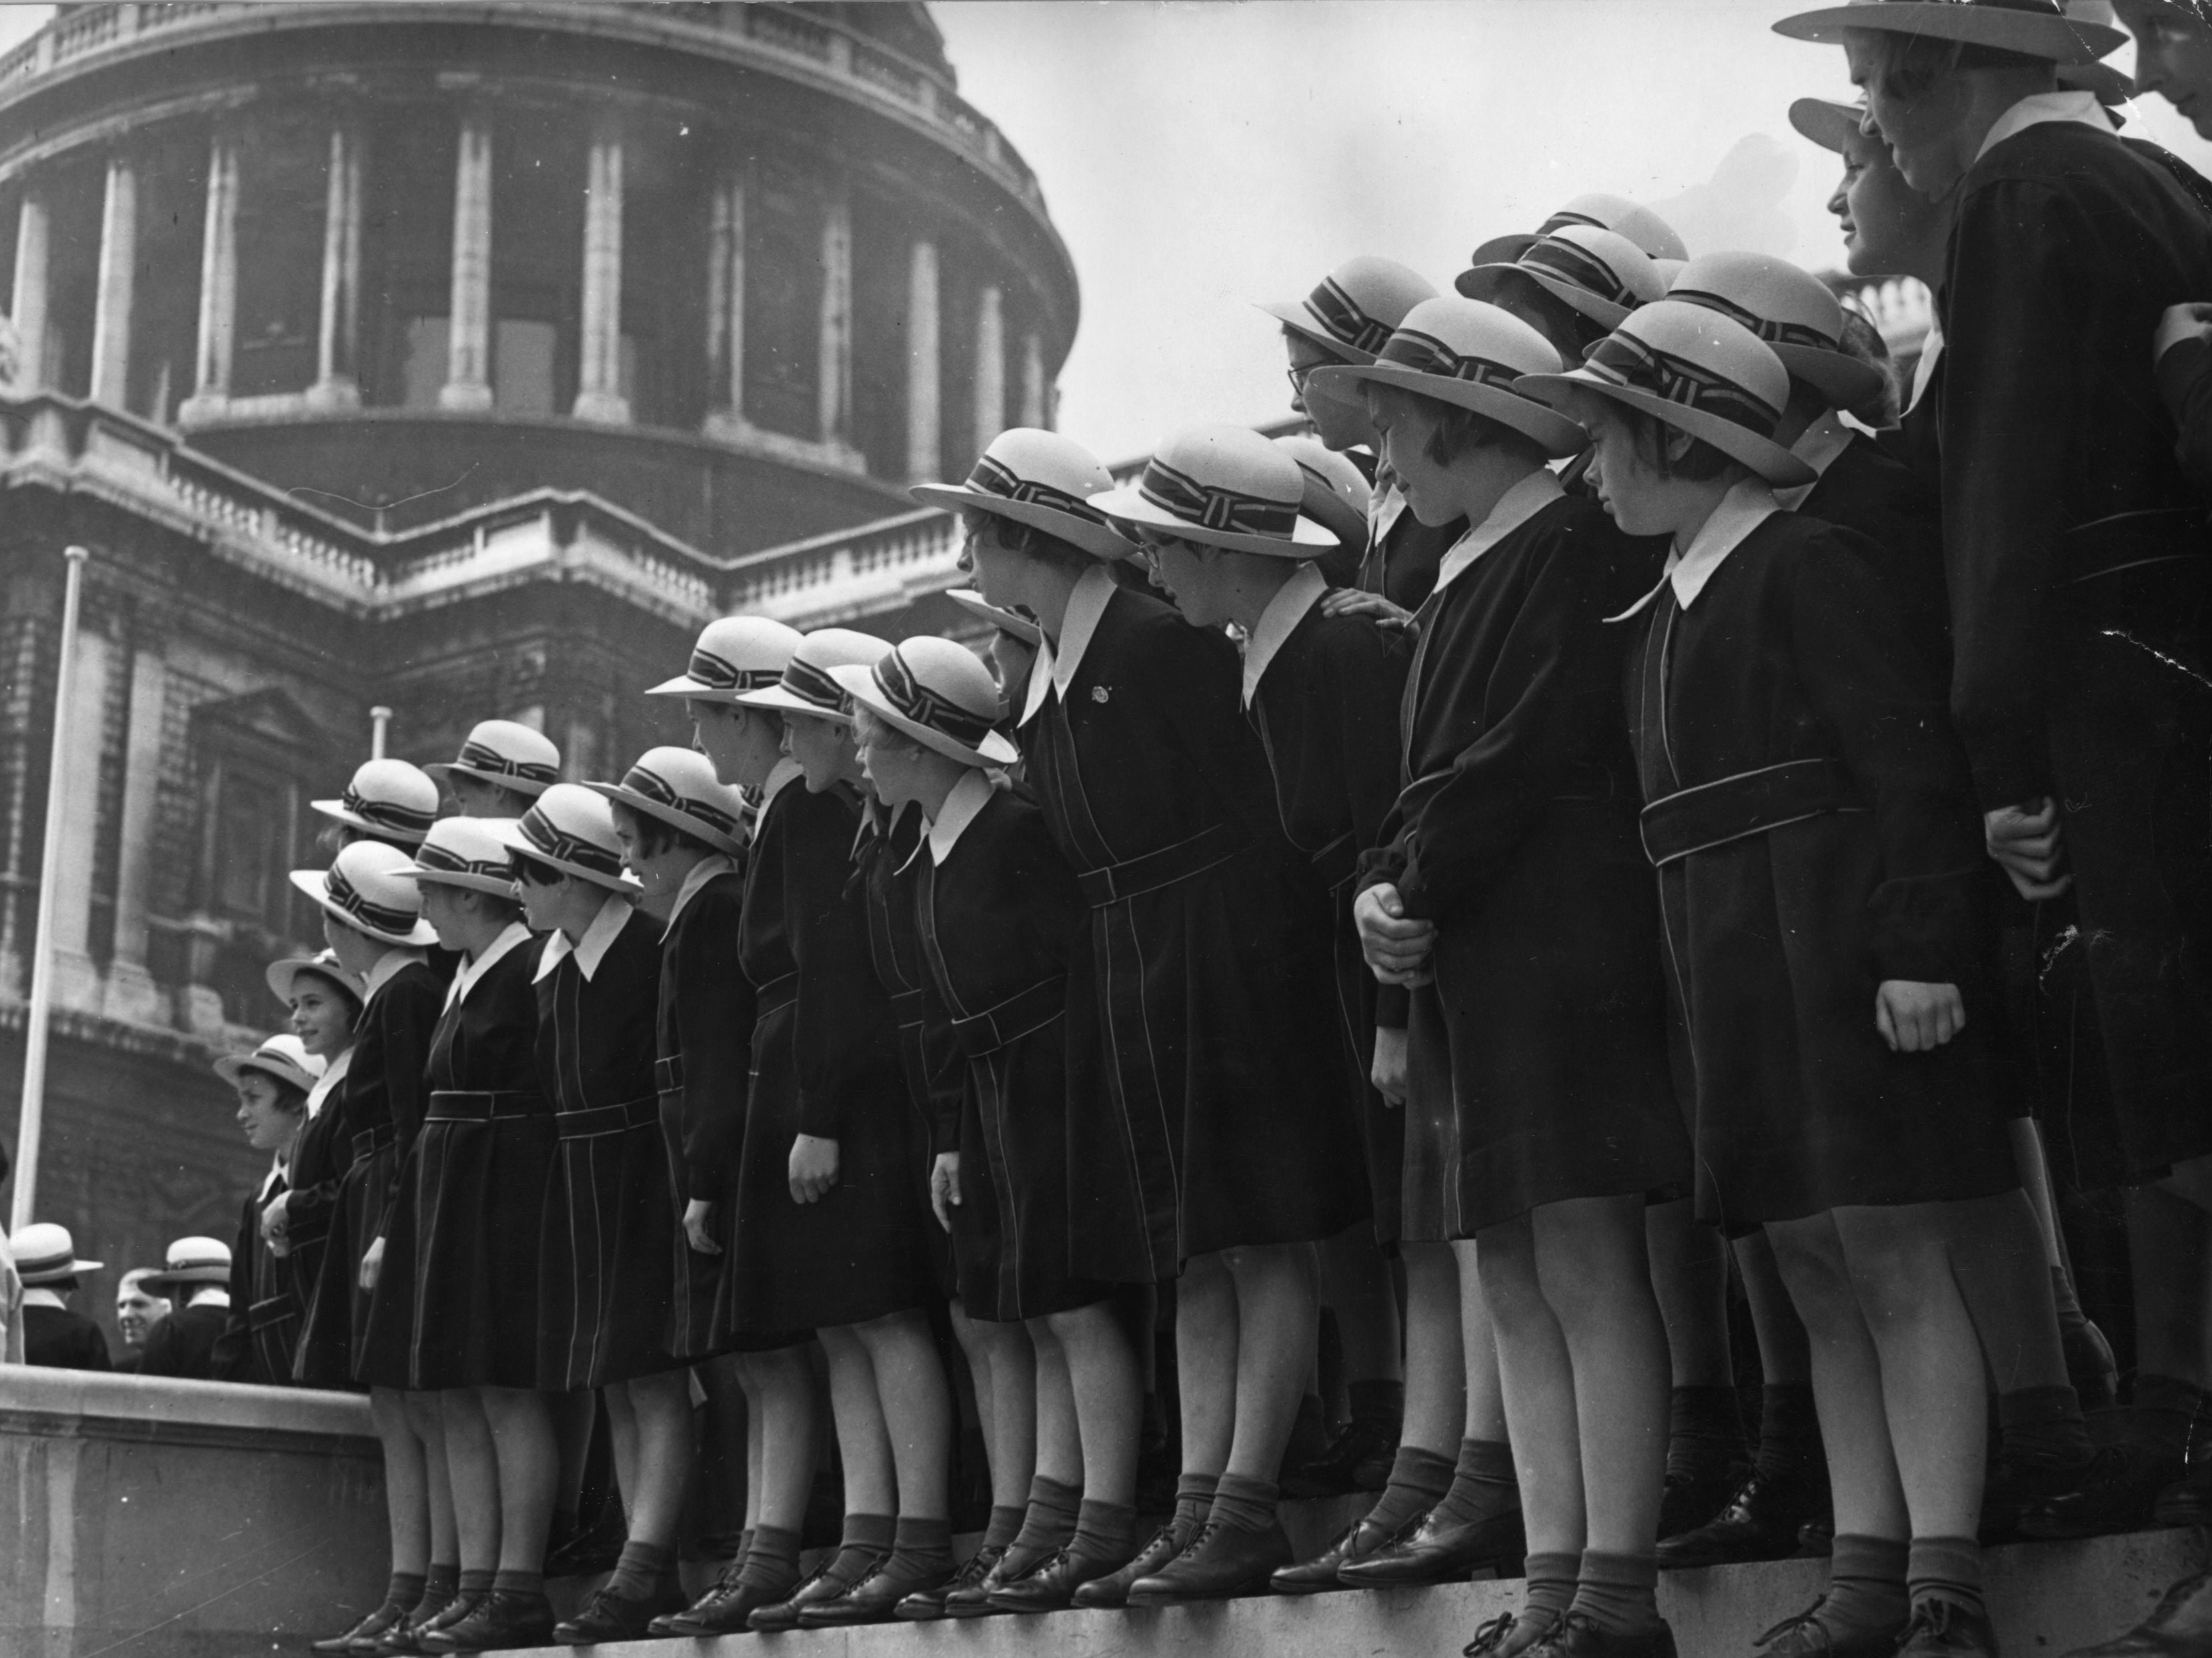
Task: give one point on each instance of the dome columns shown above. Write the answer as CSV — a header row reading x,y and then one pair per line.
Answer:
x,y
599,390
218,322
32,230
338,345
468,338
117,279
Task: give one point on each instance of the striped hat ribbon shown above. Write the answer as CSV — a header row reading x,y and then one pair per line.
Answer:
x,y
385,814
1552,257
1424,354
995,478
1340,313
925,707
381,917
1773,331
650,785
446,861
1626,360
716,675
811,684
1214,507
481,756
550,841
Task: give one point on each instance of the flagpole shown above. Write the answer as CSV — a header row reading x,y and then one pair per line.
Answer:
x,y
29,1120
380,721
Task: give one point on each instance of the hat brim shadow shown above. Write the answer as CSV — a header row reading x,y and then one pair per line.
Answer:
x,y
314,884
1006,622
1294,316
1487,281
450,877
503,780
511,837
859,684
1837,376
719,840
2060,39
1768,460
1553,432
692,690
774,697
336,810
1307,540
1099,540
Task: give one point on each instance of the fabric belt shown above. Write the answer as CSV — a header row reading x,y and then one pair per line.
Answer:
x,y
370,1141
906,1007
668,1074
2128,541
1169,865
1015,1018
1749,803
775,994
608,1118
276,1309
484,1105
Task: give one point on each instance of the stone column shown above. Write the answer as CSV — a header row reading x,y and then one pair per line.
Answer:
x,y
599,372
726,306
30,307
338,384
468,321
835,363
218,284
1035,410
924,402
76,979
117,279
131,993
990,366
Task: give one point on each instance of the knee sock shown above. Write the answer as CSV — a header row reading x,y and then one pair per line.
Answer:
x,y
1049,1520
531,1584
1382,1404
1789,1433
1550,1589
1619,1593
1004,1525
1866,1585
922,1547
475,1584
1244,1504
2160,1419
438,1586
405,1589
772,1563
639,1571
2044,1426
1946,1569
1104,1531
1705,1430
1193,1501
867,1536
1483,1486
1418,1481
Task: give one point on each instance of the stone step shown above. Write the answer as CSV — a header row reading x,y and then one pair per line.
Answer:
x,y
2048,1598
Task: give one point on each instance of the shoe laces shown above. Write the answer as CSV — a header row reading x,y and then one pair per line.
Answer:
x,y
1198,1537
1052,1562
1804,1623
1942,1622
1489,1636
975,1568
1555,1639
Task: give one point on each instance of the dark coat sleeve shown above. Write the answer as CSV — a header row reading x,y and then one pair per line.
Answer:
x,y
319,1160
2185,385
838,986
714,1031
1366,685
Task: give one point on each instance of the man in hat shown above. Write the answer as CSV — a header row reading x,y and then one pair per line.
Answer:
x,y
54,1333
197,1274
138,1310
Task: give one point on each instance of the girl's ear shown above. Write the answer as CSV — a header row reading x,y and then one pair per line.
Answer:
x,y
1675,444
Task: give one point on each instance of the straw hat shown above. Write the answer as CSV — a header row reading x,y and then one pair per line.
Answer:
x,y
2033,28
193,1261
366,887
1041,479
571,829
282,1057
734,655
1012,622
45,1253
1600,273
1615,213
388,798
679,788
806,686
508,753
1337,492
1223,486
1356,308
1472,355
283,975
1790,308
465,853
938,692
1696,371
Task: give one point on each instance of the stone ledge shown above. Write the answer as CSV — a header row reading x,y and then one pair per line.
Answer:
x,y
96,1404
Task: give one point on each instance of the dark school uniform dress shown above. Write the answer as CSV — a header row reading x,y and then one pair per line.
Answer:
x,y
62,1338
2068,520
1865,489
1810,818
185,1343
320,1156
1515,834
997,914
387,1090
261,1335
1206,972
825,1063
458,1291
1402,552
1323,692
607,1250
703,1029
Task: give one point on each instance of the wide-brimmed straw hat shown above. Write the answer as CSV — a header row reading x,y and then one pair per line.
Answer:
x,y
1041,479
1223,486
1792,310
283,975
938,692
1337,492
679,788
465,853
1600,273
193,1261
807,686
572,829
1472,355
1637,223
1356,308
283,1057
366,887
734,655
1021,627
45,1253
388,798
506,752
2033,28
1696,371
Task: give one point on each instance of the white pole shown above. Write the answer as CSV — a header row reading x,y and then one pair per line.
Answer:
x,y
28,1121
379,719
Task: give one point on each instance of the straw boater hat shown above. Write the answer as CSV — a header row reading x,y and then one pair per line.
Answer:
x,y
282,1057
1473,355
193,1261
1337,493
386,797
1355,308
1024,627
283,975
1615,213
1790,308
366,887
1600,273
938,692
734,655
1223,486
45,1253
807,686
679,788
508,753
465,853
1041,479
1699,373
2033,28
571,829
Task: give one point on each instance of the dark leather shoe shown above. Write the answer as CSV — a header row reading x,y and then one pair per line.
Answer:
x,y
502,1620
1353,1451
1806,1636
2118,1494
2018,1481
825,1585
875,1598
605,1617
1760,1523
726,1609
1944,1628
1694,1495
368,1631
423,1637
2179,1626
1318,1576
1441,1551
1221,1561
1052,1586
401,1638
927,1605
1511,1635
1113,1589
1012,1565
1577,1637
2188,1500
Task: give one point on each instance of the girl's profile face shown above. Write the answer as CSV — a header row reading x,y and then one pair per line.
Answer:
x,y
1405,427
1920,131
269,1126
1339,422
823,748
1189,578
1885,220
321,1018
661,874
478,799
2174,59
1628,480
888,761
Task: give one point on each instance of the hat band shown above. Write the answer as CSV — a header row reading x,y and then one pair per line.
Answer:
x,y
45,1263
914,701
2034,8
1767,328
1426,354
197,1264
386,814
811,684
1340,314
716,675
480,757
1213,507
652,786
995,478
447,862
382,918
558,844
1626,360
1579,267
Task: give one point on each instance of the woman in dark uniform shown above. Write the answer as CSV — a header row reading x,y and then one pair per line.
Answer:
x,y
262,1329
324,1000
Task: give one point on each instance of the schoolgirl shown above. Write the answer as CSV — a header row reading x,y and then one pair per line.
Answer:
x,y
263,1328
385,800
502,766
1573,284
1809,815
325,1002
1599,210
1014,641
829,1233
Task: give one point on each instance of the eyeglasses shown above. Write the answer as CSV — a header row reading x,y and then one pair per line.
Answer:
x,y
1298,377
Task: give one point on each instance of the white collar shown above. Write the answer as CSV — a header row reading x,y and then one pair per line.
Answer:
x,y
1056,666
333,1074
512,936
2038,108
1931,350
700,872
1817,445
1279,622
614,914
962,806
1386,503
37,1295
210,1295
387,967
784,771
269,1181
1746,506
1513,509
